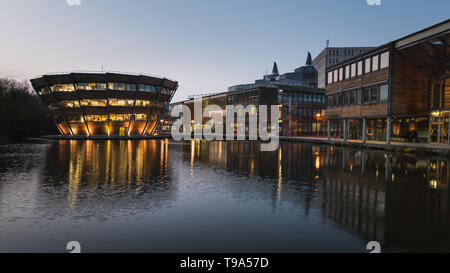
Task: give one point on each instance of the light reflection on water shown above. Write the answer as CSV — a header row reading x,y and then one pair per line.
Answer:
x,y
161,196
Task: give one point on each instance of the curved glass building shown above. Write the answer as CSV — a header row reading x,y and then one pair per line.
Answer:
x,y
104,103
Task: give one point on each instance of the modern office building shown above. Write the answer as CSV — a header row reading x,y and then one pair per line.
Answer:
x,y
103,103
303,76
334,55
300,107
399,91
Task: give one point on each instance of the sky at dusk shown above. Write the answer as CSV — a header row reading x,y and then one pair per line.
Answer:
x,y
206,45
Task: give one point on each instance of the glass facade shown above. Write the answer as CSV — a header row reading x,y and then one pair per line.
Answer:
x,y
301,113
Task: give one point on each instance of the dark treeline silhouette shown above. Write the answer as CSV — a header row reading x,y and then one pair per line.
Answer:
x,y
22,114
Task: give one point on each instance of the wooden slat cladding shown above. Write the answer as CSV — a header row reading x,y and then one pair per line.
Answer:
x,y
358,111
446,100
409,88
379,109
373,77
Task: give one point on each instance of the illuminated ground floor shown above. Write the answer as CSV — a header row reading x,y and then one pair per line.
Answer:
x,y
403,129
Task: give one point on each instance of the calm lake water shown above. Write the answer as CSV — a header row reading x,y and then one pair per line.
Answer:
x,y
161,196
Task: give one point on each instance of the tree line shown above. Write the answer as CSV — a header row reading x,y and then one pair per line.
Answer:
x,y
22,114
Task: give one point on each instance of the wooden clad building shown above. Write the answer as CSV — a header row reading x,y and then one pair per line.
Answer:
x,y
399,91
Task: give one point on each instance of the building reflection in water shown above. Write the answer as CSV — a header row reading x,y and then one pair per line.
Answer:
x,y
400,200
119,166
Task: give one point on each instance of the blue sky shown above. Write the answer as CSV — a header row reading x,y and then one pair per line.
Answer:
x,y
206,45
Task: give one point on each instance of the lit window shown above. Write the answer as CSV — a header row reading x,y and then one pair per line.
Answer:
x,y
101,86
45,90
82,86
63,88
92,86
141,117
113,86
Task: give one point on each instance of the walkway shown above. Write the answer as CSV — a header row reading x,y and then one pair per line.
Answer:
x,y
103,137
401,146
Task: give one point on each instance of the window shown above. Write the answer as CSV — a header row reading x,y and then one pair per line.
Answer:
x,y
329,101
353,72
141,117
63,88
45,90
341,74
131,87
366,95
335,100
375,62
352,97
374,94
82,86
335,75
101,86
91,86
384,60
358,96
347,71
340,99
121,87
360,68
383,92
70,104
367,66
330,77
346,98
